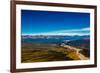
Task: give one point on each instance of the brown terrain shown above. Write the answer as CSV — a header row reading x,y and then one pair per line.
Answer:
x,y
50,52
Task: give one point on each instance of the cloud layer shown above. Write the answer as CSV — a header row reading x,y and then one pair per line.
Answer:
x,y
71,32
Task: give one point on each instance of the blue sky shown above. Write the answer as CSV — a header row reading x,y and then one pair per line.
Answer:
x,y
51,23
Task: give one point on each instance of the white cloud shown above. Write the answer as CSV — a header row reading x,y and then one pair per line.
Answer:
x,y
71,32
86,29
74,30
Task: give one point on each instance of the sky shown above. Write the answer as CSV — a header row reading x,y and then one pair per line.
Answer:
x,y
54,23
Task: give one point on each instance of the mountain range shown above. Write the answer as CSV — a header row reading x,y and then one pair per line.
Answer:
x,y
54,37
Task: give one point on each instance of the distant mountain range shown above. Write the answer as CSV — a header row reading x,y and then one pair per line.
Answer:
x,y
54,37
51,38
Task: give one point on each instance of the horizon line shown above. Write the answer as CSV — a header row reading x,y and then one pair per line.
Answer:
x,y
55,34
